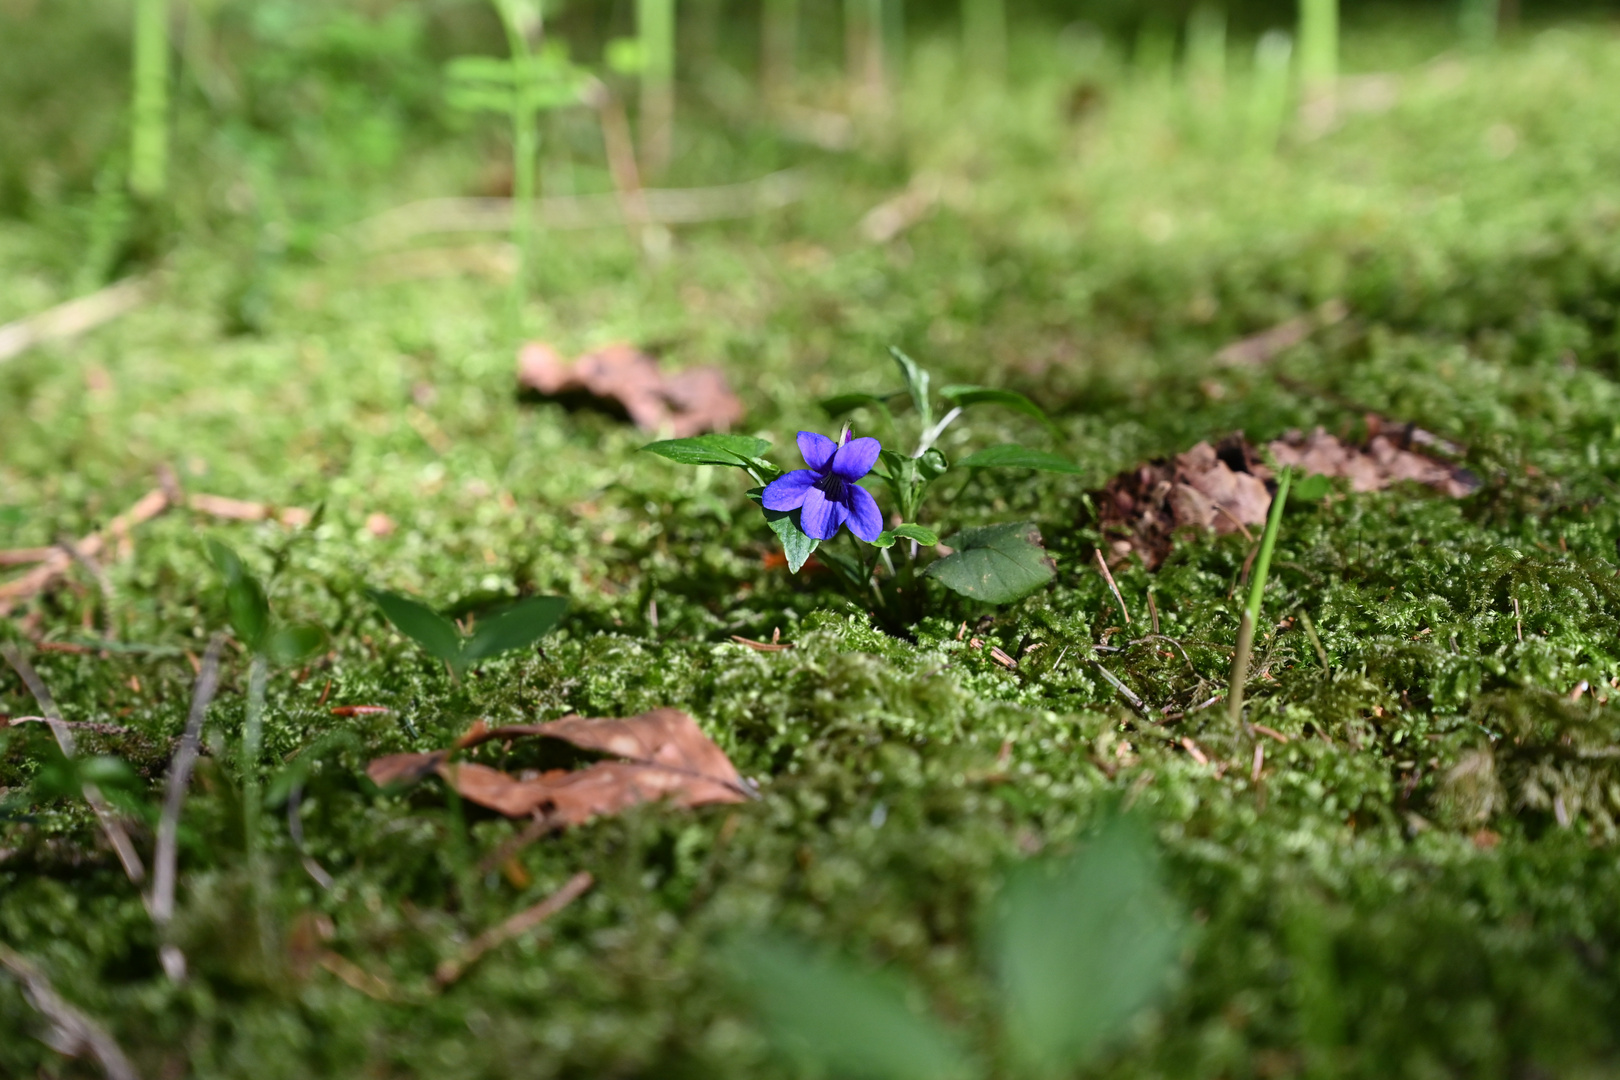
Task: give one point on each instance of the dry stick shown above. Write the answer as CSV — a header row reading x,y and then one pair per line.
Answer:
x,y
1129,694
1251,614
295,829
110,825
97,574
75,1032
25,556
165,858
88,725
46,573
521,923
73,318
1108,576
1518,620
621,155
1153,611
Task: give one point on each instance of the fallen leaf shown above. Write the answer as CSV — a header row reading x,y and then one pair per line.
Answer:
x,y
1227,489
686,403
665,756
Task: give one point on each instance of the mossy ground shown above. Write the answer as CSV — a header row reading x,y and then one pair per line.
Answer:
x,y
1422,883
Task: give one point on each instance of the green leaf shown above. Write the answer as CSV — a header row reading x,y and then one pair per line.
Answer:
x,y
245,603
516,627
924,536
1013,456
292,644
967,396
997,564
420,623
623,56
797,546
1080,945
917,383
737,450
835,407
1313,488
838,1020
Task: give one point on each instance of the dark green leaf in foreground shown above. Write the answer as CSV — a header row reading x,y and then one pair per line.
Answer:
x,y
248,609
516,627
966,396
838,1020
1080,945
737,450
420,623
925,536
1013,456
997,563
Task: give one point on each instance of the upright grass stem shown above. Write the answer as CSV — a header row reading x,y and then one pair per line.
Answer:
x,y
779,47
149,119
984,36
655,27
1251,612
525,144
1318,46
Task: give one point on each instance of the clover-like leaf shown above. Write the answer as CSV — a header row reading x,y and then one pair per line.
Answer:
x,y
923,535
839,1020
741,451
996,564
1080,945
516,627
420,623
1013,456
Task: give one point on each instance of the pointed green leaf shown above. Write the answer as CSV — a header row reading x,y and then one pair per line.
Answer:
x,y
516,627
420,623
738,450
1013,456
245,602
795,544
1080,945
917,383
924,536
838,406
967,396
997,564
838,1020
293,644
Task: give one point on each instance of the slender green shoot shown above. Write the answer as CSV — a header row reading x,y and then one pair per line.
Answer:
x,y
1479,20
984,36
523,29
779,47
1206,49
655,28
1318,45
1251,613
1270,90
149,120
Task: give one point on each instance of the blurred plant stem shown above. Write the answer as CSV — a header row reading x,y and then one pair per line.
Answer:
x,y
1270,91
1480,20
524,25
863,54
984,36
779,47
655,28
1318,46
149,119
1257,591
1206,50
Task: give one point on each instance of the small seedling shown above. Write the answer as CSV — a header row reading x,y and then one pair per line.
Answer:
x,y
1076,947
810,507
516,626
1251,612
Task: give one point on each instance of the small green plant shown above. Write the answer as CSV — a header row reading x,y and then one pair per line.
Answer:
x,y
516,626
1075,948
1257,591
149,101
807,508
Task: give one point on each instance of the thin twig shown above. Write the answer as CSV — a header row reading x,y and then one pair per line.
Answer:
x,y
524,921
1108,576
111,827
57,563
94,726
73,318
295,829
75,1032
166,857
99,576
1153,611
1129,694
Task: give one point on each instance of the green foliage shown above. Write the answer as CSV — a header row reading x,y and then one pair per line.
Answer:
x,y
996,564
516,626
248,608
1013,456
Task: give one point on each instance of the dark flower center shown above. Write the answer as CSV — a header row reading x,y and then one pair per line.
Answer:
x,y
832,486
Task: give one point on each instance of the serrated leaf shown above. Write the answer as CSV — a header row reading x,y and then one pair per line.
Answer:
x,y
739,451
839,1020
1080,945
924,536
420,623
917,384
996,564
967,396
292,644
1013,456
246,605
516,627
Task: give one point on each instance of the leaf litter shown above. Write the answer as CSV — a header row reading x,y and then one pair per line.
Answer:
x,y
663,755
1227,487
627,381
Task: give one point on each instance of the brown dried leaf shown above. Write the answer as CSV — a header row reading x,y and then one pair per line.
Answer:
x,y
666,756
622,377
1227,489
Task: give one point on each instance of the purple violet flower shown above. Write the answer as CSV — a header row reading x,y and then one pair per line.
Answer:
x,y
827,494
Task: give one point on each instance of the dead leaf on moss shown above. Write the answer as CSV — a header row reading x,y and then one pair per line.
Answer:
x,y
1227,488
663,756
626,380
